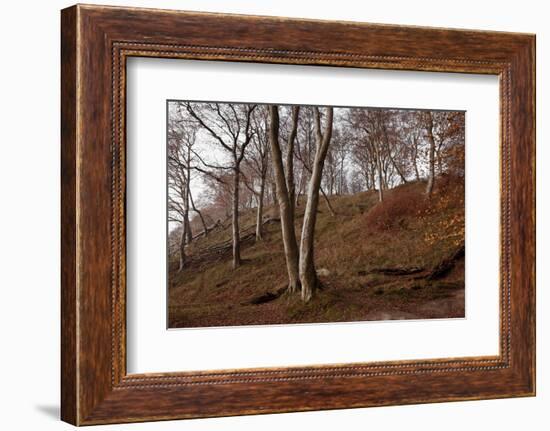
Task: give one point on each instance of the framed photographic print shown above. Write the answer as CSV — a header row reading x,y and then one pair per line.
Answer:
x,y
267,215
350,262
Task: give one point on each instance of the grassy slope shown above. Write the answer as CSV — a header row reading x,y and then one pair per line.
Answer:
x,y
404,231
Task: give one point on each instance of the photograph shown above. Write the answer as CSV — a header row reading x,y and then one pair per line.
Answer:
x,y
286,214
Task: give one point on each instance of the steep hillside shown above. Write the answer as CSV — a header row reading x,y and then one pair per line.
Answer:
x,y
399,259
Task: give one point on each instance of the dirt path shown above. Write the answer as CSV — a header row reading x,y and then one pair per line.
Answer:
x,y
444,306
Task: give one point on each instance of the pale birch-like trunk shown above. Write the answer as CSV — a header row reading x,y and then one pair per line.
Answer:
x,y
235,219
186,236
392,159
367,179
431,155
308,276
285,205
415,158
290,185
372,174
260,211
182,246
201,217
188,232
439,159
327,200
341,186
379,169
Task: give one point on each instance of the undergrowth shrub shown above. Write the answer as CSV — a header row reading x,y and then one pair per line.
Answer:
x,y
397,206
452,186
408,202
447,200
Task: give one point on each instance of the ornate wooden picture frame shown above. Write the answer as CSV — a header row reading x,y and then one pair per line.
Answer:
x,y
96,41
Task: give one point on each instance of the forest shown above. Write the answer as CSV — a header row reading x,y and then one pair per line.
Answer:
x,y
299,214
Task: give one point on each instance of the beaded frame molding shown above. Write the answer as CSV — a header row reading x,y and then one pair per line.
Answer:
x,y
95,43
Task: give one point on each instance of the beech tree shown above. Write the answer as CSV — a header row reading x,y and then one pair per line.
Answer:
x,y
286,204
230,127
258,162
394,147
205,228
305,152
308,276
412,132
369,125
181,140
364,160
431,152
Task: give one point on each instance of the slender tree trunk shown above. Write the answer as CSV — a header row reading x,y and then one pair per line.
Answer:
x,y
386,169
380,177
392,159
260,211
416,173
285,206
368,176
183,237
373,177
399,172
415,159
439,160
329,205
299,190
308,277
431,156
188,233
290,185
235,219
341,192
327,200
203,222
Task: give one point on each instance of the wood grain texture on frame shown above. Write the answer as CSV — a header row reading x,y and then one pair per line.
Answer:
x,y
96,41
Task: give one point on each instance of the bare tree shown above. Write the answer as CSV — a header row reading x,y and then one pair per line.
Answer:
x,y
181,140
199,213
414,141
305,152
230,126
336,158
431,152
284,199
259,163
308,276
392,145
369,124
363,159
